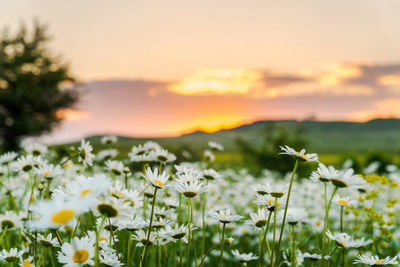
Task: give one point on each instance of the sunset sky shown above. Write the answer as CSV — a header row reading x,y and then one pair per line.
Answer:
x,y
162,68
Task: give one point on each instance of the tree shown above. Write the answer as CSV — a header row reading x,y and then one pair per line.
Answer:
x,y
32,85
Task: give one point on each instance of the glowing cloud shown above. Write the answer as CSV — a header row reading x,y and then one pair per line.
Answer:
x,y
338,73
219,81
389,80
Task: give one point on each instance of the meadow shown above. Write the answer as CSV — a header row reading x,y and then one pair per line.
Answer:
x,y
106,207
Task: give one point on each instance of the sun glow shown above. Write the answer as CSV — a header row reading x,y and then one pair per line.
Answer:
x,y
212,123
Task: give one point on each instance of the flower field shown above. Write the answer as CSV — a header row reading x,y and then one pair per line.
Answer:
x,y
94,208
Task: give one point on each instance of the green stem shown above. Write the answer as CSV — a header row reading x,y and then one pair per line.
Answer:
x,y
194,241
222,246
189,237
48,189
341,219
142,261
96,256
180,252
159,254
293,245
68,159
179,209
284,214
326,223
128,262
274,236
113,238
203,241
208,253
4,233
264,240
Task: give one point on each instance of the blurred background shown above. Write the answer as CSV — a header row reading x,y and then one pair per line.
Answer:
x,y
252,75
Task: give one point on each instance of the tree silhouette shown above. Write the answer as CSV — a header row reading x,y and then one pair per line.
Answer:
x,y
32,85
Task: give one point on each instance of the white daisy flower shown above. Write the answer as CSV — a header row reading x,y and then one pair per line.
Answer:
x,y
7,157
209,156
136,224
25,164
55,213
110,258
347,179
85,153
106,154
375,261
243,257
215,146
258,219
109,139
11,220
188,174
116,167
269,202
211,174
79,252
324,174
301,156
49,171
295,215
141,236
48,241
157,180
35,149
343,240
12,255
225,216
114,208
343,201
189,189
28,262
162,155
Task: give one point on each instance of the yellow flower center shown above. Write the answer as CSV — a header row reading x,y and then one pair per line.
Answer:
x,y
159,182
121,194
26,264
378,261
102,239
63,216
66,165
46,174
343,202
304,156
317,223
80,256
86,191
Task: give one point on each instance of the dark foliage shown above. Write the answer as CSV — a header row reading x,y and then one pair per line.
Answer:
x,y
32,86
265,155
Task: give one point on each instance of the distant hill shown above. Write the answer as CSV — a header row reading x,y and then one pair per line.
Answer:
x,y
324,136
